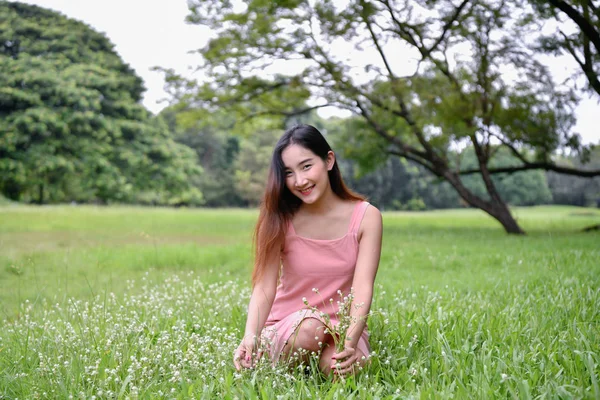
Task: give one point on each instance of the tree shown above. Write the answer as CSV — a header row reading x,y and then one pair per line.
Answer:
x,y
459,92
580,39
71,126
217,150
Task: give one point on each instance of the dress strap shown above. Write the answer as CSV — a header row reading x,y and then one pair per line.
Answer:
x,y
357,216
290,228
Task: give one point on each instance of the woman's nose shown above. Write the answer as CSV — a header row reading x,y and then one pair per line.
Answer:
x,y
300,180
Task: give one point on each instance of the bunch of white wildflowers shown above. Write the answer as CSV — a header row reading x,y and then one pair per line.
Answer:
x,y
345,319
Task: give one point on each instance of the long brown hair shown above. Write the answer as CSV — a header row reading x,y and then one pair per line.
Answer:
x,y
279,204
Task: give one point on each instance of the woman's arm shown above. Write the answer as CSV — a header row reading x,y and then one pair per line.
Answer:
x,y
367,263
261,300
259,308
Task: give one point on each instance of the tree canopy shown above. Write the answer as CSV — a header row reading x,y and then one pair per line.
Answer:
x,y
475,80
72,126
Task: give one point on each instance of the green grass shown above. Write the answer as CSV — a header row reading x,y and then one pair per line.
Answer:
x,y
144,303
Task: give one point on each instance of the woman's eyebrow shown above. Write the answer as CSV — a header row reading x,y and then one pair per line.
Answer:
x,y
301,162
305,161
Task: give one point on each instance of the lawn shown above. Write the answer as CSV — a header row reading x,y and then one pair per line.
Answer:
x,y
118,302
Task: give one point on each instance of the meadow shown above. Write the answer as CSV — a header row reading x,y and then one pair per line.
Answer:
x,y
129,302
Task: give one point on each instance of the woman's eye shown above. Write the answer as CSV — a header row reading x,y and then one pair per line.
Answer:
x,y
307,166
288,173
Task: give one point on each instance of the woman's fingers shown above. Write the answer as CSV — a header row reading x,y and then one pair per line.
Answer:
x,y
347,352
344,359
246,363
237,357
346,363
242,358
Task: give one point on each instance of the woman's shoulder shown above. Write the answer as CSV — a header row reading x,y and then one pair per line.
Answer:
x,y
372,220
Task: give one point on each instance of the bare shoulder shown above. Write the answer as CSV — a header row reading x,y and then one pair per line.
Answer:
x,y
372,223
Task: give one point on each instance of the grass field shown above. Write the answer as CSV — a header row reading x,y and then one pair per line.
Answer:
x,y
127,302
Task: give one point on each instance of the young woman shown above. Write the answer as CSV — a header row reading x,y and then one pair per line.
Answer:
x,y
314,238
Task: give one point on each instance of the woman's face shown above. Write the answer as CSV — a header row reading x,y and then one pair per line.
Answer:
x,y
306,174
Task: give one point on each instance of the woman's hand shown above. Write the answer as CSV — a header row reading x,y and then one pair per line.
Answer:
x,y
346,361
243,356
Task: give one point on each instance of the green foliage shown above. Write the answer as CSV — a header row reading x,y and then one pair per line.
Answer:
x,y
353,140
252,165
72,126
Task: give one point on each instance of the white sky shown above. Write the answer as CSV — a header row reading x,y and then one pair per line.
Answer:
x,y
152,33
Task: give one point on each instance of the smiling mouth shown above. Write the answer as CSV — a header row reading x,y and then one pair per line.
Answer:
x,y
307,191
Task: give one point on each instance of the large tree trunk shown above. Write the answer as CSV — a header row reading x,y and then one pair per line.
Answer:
x,y
496,208
503,215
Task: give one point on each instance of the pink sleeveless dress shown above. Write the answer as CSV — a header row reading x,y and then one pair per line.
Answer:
x,y
325,265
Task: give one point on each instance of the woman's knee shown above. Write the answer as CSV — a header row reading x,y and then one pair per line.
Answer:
x,y
309,335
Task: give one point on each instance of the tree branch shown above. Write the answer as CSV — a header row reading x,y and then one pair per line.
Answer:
x,y
482,159
446,27
379,49
402,32
586,27
411,157
252,95
404,113
512,149
538,165
285,113
391,139
571,50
